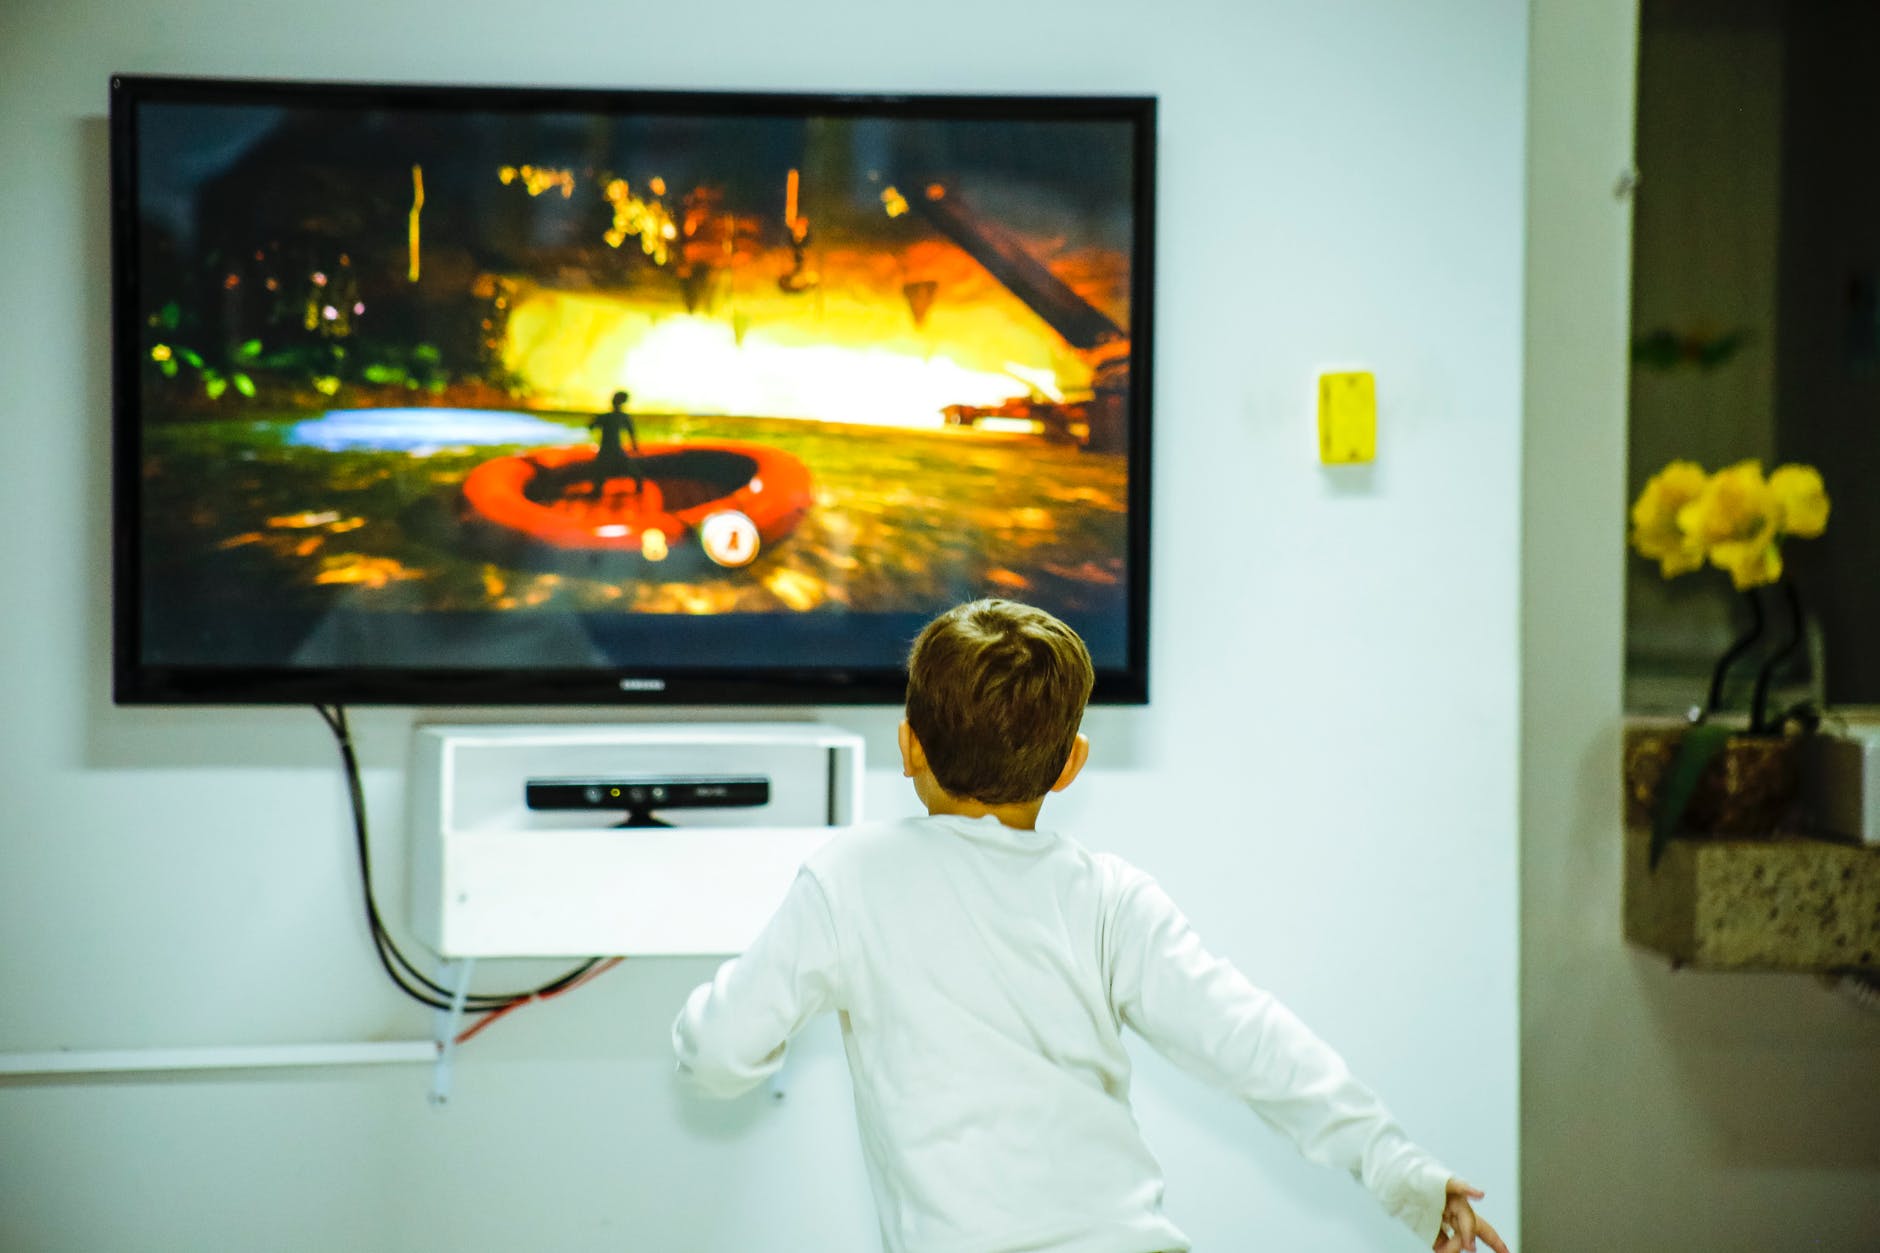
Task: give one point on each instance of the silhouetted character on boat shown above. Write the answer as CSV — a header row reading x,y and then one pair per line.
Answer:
x,y
610,459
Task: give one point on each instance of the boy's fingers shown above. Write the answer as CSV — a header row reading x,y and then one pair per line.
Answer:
x,y
1465,1226
1462,1187
1489,1234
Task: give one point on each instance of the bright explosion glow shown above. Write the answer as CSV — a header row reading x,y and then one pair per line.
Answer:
x,y
695,365
683,363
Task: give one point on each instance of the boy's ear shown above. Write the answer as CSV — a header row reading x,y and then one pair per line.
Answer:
x,y
913,757
1074,764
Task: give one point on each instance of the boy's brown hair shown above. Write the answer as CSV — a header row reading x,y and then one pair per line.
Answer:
x,y
995,692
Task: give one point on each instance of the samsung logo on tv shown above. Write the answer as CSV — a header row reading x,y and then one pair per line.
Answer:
x,y
642,685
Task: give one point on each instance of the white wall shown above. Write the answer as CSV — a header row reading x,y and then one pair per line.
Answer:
x,y
1326,780
1659,1110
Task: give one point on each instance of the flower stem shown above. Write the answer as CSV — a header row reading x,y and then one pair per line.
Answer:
x,y
1743,644
1760,704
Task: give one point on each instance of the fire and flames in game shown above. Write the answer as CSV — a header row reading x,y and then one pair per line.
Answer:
x,y
404,365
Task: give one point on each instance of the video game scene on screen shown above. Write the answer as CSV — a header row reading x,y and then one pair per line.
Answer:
x,y
418,361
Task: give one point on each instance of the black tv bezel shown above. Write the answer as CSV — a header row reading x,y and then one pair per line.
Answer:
x,y
136,682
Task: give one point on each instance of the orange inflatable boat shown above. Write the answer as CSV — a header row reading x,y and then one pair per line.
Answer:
x,y
728,501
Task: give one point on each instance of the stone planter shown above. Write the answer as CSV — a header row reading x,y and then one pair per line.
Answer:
x,y
1752,787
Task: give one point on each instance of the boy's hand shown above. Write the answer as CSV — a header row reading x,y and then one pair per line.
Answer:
x,y
1462,1225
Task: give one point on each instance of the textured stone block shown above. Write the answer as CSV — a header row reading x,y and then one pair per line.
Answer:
x,y
1782,903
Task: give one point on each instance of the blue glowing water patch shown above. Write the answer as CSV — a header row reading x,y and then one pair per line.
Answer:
x,y
424,431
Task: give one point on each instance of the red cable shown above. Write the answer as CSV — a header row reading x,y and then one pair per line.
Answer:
x,y
470,1032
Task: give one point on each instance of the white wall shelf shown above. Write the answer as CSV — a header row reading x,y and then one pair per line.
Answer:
x,y
493,878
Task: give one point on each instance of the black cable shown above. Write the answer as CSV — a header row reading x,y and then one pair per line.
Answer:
x,y
381,937
382,942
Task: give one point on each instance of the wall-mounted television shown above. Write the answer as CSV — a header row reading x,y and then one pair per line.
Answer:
x,y
491,395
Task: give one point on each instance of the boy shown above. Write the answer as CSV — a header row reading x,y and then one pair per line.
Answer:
x,y
984,969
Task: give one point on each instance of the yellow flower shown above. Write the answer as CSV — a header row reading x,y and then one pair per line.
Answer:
x,y
1734,506
1655,530
1734,517
1801,500
1751,563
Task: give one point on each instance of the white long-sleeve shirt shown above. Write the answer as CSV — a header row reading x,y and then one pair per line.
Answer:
x,y
983,976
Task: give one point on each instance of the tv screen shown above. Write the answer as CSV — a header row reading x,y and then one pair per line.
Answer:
x,y
456,395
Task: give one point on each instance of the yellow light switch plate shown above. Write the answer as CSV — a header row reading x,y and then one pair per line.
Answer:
x,y
1347,418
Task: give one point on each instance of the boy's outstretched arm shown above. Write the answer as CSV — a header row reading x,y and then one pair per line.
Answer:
x,y
1203,1014
731,1034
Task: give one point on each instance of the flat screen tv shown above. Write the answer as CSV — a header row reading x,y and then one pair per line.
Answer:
x,y
477,395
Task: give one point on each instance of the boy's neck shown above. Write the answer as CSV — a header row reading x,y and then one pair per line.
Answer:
x,y
1022,816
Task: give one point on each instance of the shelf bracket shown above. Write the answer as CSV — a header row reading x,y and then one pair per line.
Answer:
x,y
448,1023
